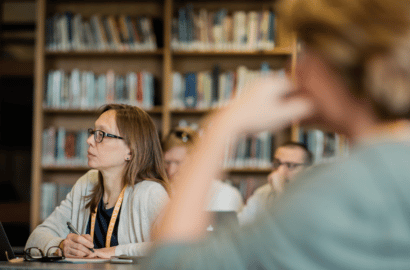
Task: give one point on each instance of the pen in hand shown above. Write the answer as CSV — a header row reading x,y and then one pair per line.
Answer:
x,y
73,230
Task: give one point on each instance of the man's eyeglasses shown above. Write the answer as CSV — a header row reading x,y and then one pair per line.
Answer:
x,y
290,165
35,254
99,135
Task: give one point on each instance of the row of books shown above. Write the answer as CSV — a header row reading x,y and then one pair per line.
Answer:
x,y
325,146
71,32
210,88
250,151
86,90
209,30
52,194
64,147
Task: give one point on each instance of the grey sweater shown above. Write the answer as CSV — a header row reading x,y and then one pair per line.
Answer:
x,y
140,208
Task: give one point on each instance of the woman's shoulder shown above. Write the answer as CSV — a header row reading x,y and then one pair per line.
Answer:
x,y
89,179
149,186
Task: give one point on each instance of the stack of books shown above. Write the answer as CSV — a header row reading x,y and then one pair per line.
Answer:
x,y
69,32
63,147
220,31
86,90
51,196
211,88
324,146
251,151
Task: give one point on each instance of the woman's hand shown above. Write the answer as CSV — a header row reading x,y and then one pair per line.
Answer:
x,y
77,245
266,103
103,253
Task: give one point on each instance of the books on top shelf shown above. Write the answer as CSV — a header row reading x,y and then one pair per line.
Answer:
x,y
210,88
325,146
52,194
220,31
63,147
71,32
86,90
250,151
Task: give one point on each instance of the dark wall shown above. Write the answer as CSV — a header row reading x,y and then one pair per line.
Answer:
x,y
16,107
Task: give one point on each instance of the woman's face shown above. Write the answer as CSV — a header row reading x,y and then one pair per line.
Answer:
x,y
111,153
173,159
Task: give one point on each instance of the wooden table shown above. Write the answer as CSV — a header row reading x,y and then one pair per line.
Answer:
x,y
57,266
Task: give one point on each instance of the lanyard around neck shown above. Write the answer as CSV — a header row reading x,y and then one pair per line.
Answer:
x,y
112,220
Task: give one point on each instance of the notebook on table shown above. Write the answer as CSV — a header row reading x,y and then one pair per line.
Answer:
x,y
5,246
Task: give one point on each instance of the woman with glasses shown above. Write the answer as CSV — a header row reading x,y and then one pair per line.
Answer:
x,y
176,147
113,206
353,78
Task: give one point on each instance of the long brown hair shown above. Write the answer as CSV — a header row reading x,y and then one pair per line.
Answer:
x,y
141,136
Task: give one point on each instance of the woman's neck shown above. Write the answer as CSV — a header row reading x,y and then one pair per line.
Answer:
x,y
113,185
398,130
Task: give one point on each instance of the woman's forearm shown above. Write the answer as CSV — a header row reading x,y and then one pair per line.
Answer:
x,y
184,218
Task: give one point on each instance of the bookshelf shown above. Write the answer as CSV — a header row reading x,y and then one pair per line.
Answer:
x,y
161,62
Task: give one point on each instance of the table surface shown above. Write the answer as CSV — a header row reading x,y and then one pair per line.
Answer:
x,y
56,266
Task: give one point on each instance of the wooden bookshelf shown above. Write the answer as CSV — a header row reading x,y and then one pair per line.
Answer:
x,y
154,110
222,53
66,168
161,62
106,54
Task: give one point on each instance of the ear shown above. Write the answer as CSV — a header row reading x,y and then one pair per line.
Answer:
x,y
128,156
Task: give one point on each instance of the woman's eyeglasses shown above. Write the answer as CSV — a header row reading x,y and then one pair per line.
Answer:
x,y
290,165
35,254
99,135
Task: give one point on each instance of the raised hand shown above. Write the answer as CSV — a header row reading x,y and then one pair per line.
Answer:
x,y
267,103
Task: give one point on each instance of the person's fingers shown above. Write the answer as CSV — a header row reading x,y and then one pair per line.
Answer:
x,y
293,110
73,252
88,238
74,243
92,255
83,241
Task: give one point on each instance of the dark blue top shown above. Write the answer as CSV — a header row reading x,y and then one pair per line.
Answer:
x,y
102,220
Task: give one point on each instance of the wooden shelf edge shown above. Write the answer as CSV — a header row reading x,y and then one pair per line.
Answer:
x,y
191,111
158,52
57,168
277,52
157,109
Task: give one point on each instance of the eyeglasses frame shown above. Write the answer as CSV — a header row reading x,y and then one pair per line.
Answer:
x,y
289,165
105,134
44,258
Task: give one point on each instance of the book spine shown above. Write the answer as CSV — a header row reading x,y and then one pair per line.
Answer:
x,y
190,90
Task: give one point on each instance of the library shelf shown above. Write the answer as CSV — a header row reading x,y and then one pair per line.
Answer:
x,y
105,54
65,168
274,52
81,112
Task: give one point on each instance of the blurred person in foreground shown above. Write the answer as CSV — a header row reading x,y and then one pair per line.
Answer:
x,y
290,159
352,78
176,147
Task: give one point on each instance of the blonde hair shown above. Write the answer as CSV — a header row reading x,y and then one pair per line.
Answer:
x,y
366,41
180,136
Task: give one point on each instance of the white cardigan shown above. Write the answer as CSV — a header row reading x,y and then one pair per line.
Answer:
x,y
140,208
